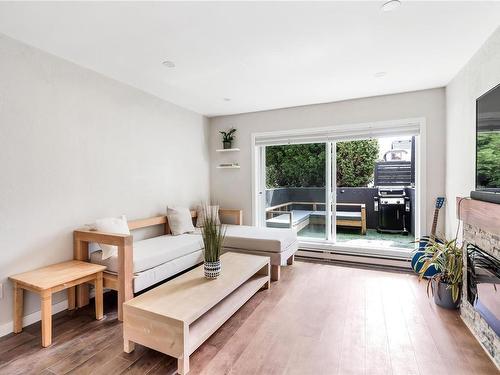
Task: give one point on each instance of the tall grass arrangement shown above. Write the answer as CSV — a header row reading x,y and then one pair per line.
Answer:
x,y
213,235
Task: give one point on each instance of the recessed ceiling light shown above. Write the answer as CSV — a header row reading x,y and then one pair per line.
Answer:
x,y
169,64
227,99
390,5
380,74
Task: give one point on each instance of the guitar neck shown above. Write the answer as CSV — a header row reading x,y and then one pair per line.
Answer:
x,y
434,223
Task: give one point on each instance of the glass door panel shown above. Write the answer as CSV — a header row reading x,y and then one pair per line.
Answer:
x,y
296,189
365,169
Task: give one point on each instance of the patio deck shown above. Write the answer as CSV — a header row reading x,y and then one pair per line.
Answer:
x,y
352,237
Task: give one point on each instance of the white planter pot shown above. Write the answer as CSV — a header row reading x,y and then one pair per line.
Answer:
x,y
212,269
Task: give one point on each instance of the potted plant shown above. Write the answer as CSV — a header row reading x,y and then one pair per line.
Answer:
x,y
213,237
447,258
227,138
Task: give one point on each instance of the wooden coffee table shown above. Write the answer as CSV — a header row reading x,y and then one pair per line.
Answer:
x,y
178,316
51,279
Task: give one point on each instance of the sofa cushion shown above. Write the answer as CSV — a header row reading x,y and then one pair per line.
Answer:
x,y
211,211
154,251
179,220
346,215
283,221
247,237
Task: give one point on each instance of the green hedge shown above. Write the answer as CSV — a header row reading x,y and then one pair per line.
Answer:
x,y
304,165
488,159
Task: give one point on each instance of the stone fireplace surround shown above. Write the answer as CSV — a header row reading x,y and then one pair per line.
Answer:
x,y
481,227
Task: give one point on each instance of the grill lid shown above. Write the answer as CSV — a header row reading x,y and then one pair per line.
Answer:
x,y
391,191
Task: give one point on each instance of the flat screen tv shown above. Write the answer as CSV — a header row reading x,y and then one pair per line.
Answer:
x,y
488,141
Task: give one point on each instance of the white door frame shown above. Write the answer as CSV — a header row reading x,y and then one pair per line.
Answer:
x,y
377,129
258,185
330,197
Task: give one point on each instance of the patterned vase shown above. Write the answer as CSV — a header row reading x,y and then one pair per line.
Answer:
x,y
212,269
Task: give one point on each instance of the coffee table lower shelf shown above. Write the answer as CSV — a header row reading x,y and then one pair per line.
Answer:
x,y
180,338
212,320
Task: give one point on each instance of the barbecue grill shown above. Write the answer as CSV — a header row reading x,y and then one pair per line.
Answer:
x,y
393,207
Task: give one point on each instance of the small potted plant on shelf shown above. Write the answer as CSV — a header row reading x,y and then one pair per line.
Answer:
x,y
447,258
213,234
228,138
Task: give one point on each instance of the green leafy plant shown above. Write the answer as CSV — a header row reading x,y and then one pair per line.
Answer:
x,y
356,162
447,257
228,136
303,165
295,165
213,236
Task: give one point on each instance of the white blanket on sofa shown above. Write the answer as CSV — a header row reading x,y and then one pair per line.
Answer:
x,y
154,251
245,237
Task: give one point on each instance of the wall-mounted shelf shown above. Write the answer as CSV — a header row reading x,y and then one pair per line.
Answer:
x,y
227,150
228,167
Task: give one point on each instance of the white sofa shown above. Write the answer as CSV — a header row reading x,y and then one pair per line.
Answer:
x,y
279,244
141,264
158,258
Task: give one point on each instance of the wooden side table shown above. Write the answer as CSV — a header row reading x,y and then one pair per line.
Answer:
x,y
51,279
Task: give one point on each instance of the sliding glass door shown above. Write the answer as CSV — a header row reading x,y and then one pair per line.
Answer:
x,y
358,195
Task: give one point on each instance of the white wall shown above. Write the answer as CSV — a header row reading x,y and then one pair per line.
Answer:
x,y
232,188
76,146
479,75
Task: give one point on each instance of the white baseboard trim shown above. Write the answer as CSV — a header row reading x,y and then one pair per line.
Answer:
x,y
355,258
8,327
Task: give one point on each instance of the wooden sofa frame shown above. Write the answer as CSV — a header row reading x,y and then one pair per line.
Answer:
x,y
361,224
123,281
283,209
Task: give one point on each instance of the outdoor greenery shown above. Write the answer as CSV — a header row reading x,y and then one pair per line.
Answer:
x,y
296,165
304,165
488,159
356,162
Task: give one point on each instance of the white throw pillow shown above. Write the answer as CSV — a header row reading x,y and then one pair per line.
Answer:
x,y
212,211
111,225
179,220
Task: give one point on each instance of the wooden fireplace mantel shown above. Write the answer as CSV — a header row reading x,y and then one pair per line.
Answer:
x,y
481,214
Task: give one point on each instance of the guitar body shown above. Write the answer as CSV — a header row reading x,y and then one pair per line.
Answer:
x,y
416,263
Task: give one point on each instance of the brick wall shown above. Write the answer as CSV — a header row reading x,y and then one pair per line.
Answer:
x,y
489,243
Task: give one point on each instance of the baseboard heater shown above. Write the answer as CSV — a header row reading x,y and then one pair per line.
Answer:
x,y
359,260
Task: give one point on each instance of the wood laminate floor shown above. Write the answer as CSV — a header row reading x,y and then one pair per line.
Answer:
x,y
319,319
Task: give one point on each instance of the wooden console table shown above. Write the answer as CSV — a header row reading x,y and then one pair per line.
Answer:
x,y
178,316
51,279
